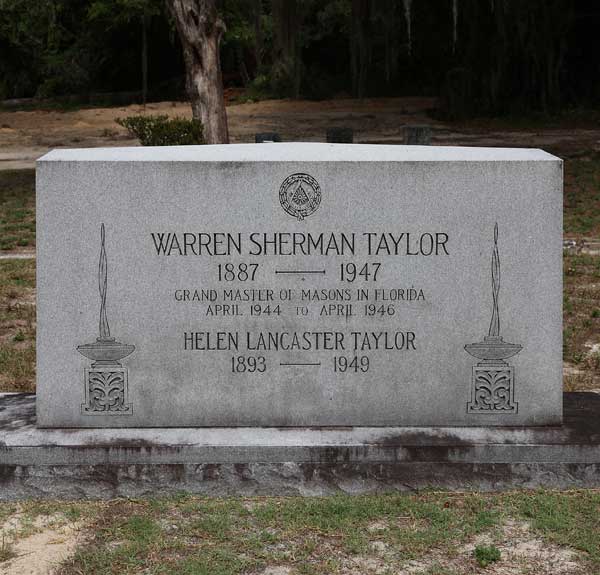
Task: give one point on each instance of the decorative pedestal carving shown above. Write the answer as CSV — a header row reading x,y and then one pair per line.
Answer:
x,y
106,391
492,389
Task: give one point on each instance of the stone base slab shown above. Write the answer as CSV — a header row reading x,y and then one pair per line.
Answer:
x,y
132,462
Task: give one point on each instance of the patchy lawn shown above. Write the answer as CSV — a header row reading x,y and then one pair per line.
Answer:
x,y
17,325
581,322
544,532
17,210
582,197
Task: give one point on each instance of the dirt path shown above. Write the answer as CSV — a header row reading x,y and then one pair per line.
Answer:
x,y
26,135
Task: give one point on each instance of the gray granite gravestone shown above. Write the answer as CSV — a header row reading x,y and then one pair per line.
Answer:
x,y
339,135
266,137
417,135
299,285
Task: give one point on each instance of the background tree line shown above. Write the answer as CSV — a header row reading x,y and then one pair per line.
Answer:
x,y
482,56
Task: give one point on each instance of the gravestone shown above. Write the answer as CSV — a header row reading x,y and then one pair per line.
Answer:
x,y
266,137
417,135
299,285
339,135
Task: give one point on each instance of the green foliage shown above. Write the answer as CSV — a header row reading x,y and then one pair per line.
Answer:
x,y
506,57
510,58
52,48
19,336
239,35
163,131
486,555
258,89
118,12
46,48
284,77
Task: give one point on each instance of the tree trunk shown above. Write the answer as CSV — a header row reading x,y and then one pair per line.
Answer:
x,y
144,59
360,48
239,53
286,57
191,89
258,34
385,12
200,30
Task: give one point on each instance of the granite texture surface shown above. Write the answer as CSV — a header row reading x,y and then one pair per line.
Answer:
x,y
384,263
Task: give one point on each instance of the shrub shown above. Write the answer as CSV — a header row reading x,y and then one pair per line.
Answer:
x,y
163,131
486,555
257,90
7,551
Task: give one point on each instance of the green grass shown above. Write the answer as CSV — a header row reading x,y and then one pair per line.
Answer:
x,y
17,209
582,196
572,520
228,536
486,555
17,325
581,320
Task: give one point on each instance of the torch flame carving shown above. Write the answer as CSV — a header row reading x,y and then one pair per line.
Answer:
x,y
495,321
102,283
493,349
105,350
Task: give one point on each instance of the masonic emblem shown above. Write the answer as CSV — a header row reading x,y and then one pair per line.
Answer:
x,y
300,195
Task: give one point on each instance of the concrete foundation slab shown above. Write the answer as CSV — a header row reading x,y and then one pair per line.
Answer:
x,y
105,463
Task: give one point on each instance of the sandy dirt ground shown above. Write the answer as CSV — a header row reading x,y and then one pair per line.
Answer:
x,y
26,135
38,548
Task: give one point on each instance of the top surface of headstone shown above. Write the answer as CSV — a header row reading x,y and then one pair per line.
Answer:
x,y
299,284
297,152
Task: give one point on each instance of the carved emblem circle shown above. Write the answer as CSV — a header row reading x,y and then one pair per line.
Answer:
x,y
300,195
